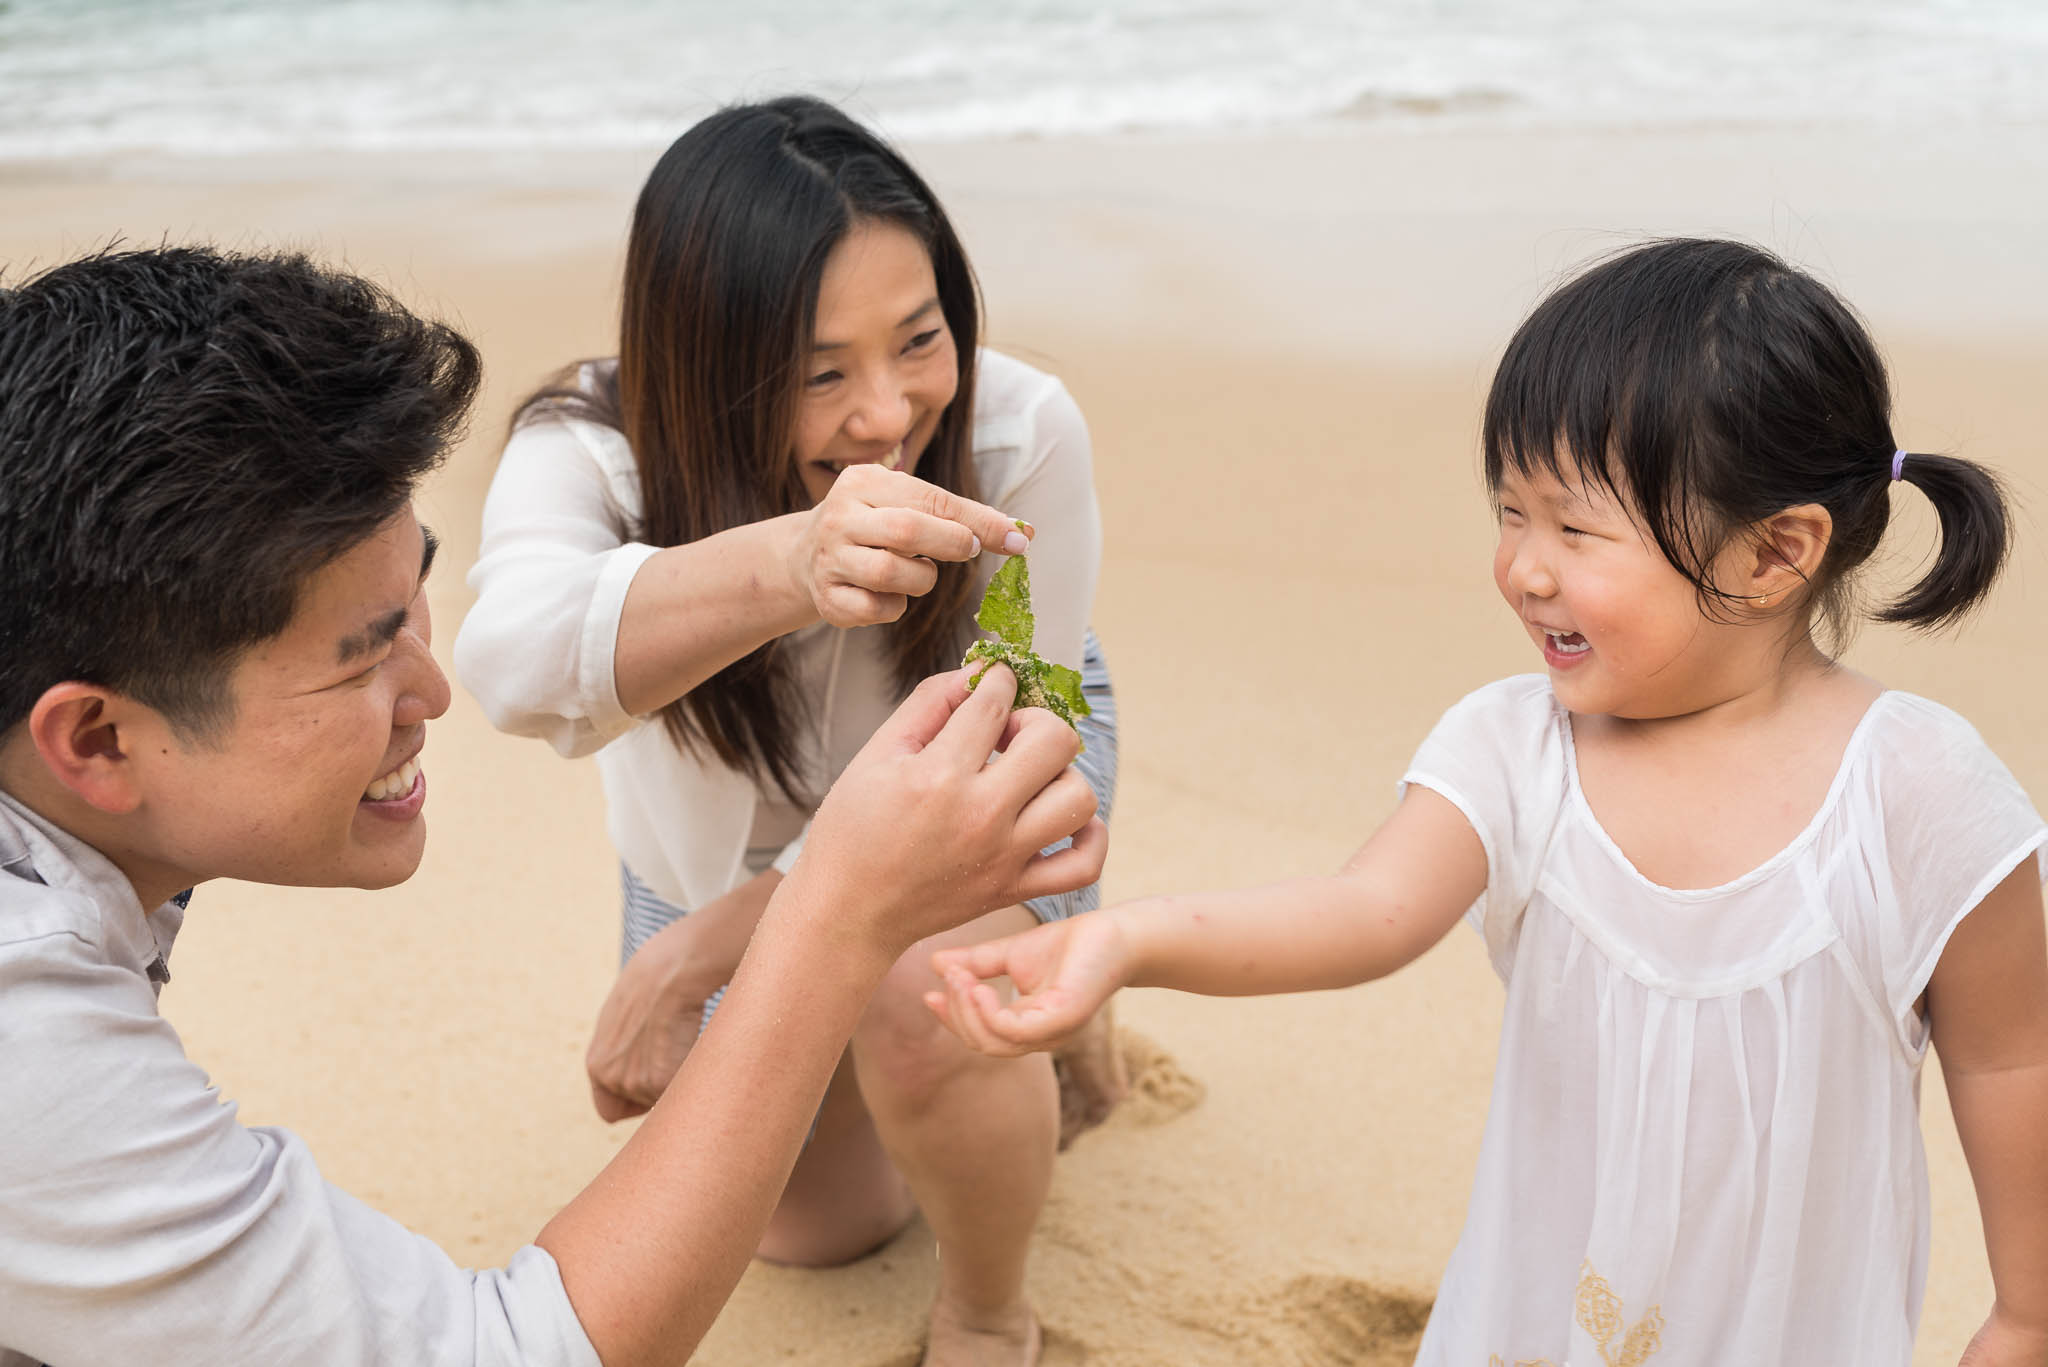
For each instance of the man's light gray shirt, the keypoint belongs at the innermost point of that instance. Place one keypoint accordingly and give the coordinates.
(141, 1223)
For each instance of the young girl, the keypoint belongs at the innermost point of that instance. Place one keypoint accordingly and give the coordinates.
(1733, 888)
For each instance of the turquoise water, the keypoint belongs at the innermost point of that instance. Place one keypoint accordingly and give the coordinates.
(199, 77)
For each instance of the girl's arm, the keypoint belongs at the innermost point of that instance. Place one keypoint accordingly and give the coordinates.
(1395, 898)
(1988, 1008)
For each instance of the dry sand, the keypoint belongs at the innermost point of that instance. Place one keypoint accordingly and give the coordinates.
(1281, 345)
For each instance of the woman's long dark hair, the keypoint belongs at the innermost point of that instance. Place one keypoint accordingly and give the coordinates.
(728, 244)
(1709, 385)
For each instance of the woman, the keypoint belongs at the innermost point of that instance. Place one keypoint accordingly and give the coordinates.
(723, 558)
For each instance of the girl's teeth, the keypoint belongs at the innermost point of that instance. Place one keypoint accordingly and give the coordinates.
(894, 458)
(1571, 644)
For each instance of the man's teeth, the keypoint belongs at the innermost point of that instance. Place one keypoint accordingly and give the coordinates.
(397, 783)
(1570, 643)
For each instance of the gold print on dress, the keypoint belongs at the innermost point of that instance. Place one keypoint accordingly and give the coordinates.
(1599, 1314)
(1496, 1360)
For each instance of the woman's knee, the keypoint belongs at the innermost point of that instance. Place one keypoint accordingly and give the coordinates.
(900, 1046)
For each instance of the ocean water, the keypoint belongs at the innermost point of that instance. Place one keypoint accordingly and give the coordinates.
(82, 78)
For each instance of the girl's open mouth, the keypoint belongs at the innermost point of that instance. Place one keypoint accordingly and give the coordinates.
(1564, 649)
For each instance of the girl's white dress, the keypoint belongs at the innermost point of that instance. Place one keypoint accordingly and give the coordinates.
(1703, 1145)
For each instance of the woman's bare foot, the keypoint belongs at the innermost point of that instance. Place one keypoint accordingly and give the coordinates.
(1012, 1339)
(1091, 1074)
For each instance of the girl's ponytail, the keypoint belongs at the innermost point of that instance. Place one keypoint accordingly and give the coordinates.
(1976, 535)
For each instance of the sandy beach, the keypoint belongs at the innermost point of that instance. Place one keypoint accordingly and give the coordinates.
(1281, 344)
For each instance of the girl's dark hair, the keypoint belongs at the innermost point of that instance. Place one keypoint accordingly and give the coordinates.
(188, 435)
(1709, 385)
(723, 263)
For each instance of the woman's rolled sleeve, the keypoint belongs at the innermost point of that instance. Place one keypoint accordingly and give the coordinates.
(557, 559)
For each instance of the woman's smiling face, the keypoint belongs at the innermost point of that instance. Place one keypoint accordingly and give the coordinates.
(882, 366)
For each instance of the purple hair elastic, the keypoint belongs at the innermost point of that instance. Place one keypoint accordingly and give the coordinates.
(1898, 465)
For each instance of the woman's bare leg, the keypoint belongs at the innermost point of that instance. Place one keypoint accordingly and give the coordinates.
(974, 1136)
(844, 1198)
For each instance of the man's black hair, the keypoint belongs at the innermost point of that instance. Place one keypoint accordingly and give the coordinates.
(185, 436)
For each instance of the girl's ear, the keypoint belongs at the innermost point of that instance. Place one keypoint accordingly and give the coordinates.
(1788, 549)
(77, 731)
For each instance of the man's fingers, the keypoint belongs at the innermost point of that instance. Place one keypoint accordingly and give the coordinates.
(971, 733)
(920, 718)
(1041, 747)
(1061, 808)
(1077, 866)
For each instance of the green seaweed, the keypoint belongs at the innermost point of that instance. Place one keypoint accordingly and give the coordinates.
(1006, 613)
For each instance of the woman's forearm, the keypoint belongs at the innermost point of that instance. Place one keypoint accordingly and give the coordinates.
(694, 609)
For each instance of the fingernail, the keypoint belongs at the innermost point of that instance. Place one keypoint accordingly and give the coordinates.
(1015, 543)
(1025, 527)
(977, 548)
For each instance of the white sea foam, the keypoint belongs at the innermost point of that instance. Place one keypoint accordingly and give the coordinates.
(198, 77)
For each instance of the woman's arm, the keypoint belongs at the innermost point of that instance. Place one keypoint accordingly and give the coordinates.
(578, 629)
(1988, 1008)
(854, 560)
(1396, 897)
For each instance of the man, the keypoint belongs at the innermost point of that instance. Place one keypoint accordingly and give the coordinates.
(214, 663)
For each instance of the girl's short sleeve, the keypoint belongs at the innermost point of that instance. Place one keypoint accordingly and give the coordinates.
(1956, 823)
(1498, 756)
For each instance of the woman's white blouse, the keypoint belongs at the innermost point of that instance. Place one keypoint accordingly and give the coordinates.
(1703, 1145)
(560, 548)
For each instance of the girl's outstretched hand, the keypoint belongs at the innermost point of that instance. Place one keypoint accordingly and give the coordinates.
(869, 546)
(1063, 971)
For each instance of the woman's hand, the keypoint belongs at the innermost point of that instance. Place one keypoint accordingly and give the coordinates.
(651, 1017)
(2001, 1343)
(1063, 971)
(869, 546)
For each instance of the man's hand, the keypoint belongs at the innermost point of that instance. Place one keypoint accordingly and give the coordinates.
(943, 814)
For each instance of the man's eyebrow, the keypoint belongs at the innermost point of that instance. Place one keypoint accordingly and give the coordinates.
(372, 638)
(385, 629)
(920, 311)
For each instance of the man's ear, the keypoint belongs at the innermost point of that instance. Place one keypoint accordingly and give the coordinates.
(78, 731)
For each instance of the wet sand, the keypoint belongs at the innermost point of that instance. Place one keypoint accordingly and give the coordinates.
(1281, 345)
